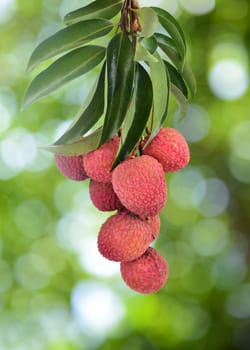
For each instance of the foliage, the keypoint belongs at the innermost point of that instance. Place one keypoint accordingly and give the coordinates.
(55, 291)
(124, 76)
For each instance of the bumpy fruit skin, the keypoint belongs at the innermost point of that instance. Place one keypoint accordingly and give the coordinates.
(140, 185)
(170, 148)
(124, 237)
(97, 163)
(155, 224)
(147, 274)
(71, 167)
(103, 196)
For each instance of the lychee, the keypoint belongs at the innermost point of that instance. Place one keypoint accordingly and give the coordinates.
(140, 185)
(98, 163)
(154, 223)
(103, 196)
(170, 148)
(146, 274)
(71, 166)
(124, 237)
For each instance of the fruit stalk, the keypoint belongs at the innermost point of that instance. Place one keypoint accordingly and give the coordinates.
(130, 23)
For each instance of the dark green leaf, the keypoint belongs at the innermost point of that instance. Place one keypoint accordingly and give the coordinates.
(148, 20)
(82, 145)
(161, 85)
(120, 73)
(97, 9)
(189, 78)
(66, 68)
(170, 24)
(68, 39)
(143, 104)
(88, 116)
(168, 46)
(176, 78)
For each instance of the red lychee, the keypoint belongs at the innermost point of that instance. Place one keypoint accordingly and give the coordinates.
(124, 237)
(170, 148)
(147, 274)
(103, 196)
(140, 185)
(97, 163)
(71, 166)
(154, 223)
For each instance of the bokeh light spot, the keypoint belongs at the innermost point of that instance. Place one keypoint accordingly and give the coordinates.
(209, 237)
(96, 308)
(228, 79)
(238, 302)
(229, 269)
(240, 140)
(239, 168)
(198, 7)
(183, 187)
(32, 218)
(31, 271)
(215, 197)
(195, 126)
(93, 262)
(5, 276)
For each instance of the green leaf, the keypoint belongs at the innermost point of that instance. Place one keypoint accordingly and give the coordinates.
(143, 104)
(66, 68)
(189, 78)
(142, 54)
(176, 78)
(161, 86)
(82, 145)
(148, 20)
(97, 9)
(120, 73)
(88, 116)
(68, 39)
(150, 44)
(168, 46)
(181, 100)
(170, 24)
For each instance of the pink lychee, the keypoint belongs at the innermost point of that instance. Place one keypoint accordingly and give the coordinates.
(146, 274)
(170, 148)
(140, 185)
(103, 196)
(154, 223)
(124, 237)
(97, 163)
(71, 166)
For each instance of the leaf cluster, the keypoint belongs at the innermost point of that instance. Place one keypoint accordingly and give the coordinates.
(131, 95)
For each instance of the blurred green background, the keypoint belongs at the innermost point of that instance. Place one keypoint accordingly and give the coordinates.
(56, 291)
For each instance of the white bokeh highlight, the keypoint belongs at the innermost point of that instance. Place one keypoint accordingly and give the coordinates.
(228, 79)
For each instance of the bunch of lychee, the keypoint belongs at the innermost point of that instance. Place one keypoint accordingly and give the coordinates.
(137, 190)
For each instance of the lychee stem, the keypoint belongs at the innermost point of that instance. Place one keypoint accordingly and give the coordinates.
(130, 23)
